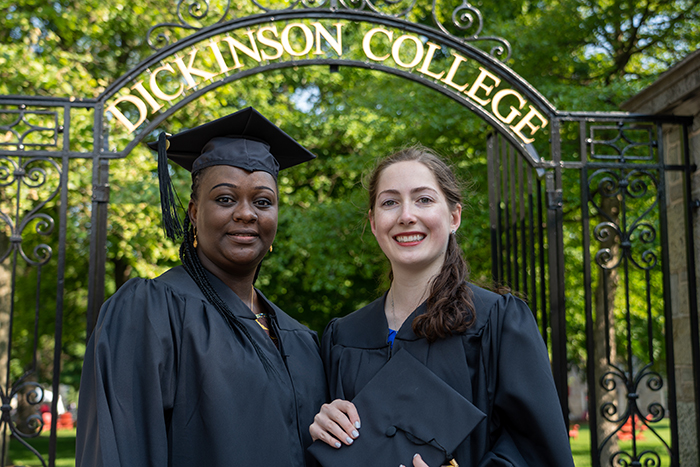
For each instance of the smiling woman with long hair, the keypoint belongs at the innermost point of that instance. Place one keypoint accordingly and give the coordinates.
(436, 366)
(197, 367)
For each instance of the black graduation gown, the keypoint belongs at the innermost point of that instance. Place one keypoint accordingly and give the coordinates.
(166, 382)
(500, 365)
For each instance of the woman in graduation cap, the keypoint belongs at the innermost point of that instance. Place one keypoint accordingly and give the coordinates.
(197, 367)
(436, 366)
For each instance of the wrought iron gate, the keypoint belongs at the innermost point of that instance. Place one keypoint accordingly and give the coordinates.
(616, 227)
(588, 222)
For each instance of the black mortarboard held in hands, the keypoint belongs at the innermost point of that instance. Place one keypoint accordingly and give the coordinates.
(244, 139)
(405, 409)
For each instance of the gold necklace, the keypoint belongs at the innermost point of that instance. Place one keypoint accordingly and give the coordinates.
(393, 309)
(258, 316)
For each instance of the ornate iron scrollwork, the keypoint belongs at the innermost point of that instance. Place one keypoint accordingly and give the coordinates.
(33, 395)
(195, 14)
(632, 416)
(467, 17)
(190, 14)
(32, 180)
(626, 200)
(28, 174)
(633, 184)
(624, 146)
(21, 128)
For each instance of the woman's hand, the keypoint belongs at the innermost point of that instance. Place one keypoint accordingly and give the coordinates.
(336, 422)
(418, 462)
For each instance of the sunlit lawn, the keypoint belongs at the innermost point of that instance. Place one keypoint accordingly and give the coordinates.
(580, 446)
(65, 450)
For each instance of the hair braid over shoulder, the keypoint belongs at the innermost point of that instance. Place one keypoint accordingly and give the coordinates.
(450, 306)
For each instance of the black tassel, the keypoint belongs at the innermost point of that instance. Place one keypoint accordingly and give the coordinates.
(171, 221)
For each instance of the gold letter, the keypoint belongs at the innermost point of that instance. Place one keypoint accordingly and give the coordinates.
(143, 111)
(396, 49)
(269, 42)
(214, 46)
(337, 44)
(453, 71)
(308, 35)
(233, 44)
(155, 89)
(188, 71)
(479, 84)
(146, 95)
(366, 43)
(429, 58)
(513, 112)
(526, 121)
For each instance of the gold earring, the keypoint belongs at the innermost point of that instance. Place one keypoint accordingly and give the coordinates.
(270, 248)
(194, 242)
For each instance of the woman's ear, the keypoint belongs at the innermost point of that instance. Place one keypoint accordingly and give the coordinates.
(371, 221)
(192, 212)
(456, 217)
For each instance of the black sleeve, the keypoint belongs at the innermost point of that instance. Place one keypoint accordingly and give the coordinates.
(329, 365)
(127, 381)
(529, 427)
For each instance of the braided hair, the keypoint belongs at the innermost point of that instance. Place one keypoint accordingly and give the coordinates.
(193, 266)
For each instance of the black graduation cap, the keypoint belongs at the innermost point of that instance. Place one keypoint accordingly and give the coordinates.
(405, 409)
(243, 139)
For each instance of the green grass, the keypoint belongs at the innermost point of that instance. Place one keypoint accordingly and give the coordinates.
(581, 446)
(65, 450)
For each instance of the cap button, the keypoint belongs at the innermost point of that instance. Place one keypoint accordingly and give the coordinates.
(391, 431)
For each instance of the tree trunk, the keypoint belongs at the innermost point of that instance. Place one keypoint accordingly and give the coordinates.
(604, 338)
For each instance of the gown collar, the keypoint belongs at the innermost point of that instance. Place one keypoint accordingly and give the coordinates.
(239, 308)
(371, 320)
(405, 332)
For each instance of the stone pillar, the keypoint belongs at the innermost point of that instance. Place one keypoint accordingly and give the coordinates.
(691, 449)
(676, 209)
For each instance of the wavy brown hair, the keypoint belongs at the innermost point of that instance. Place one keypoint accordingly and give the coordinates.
(450, 308)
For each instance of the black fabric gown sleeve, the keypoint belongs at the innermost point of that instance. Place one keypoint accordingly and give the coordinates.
(335, 389)
(127, 382)
(527, 427)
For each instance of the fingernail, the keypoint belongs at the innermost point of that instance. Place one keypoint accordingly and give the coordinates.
(357, 425)
(355, 434)
(402, 465)
(337, 444)
(415, 455)
(348, 440)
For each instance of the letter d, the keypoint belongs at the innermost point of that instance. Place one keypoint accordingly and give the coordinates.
(143, 111)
